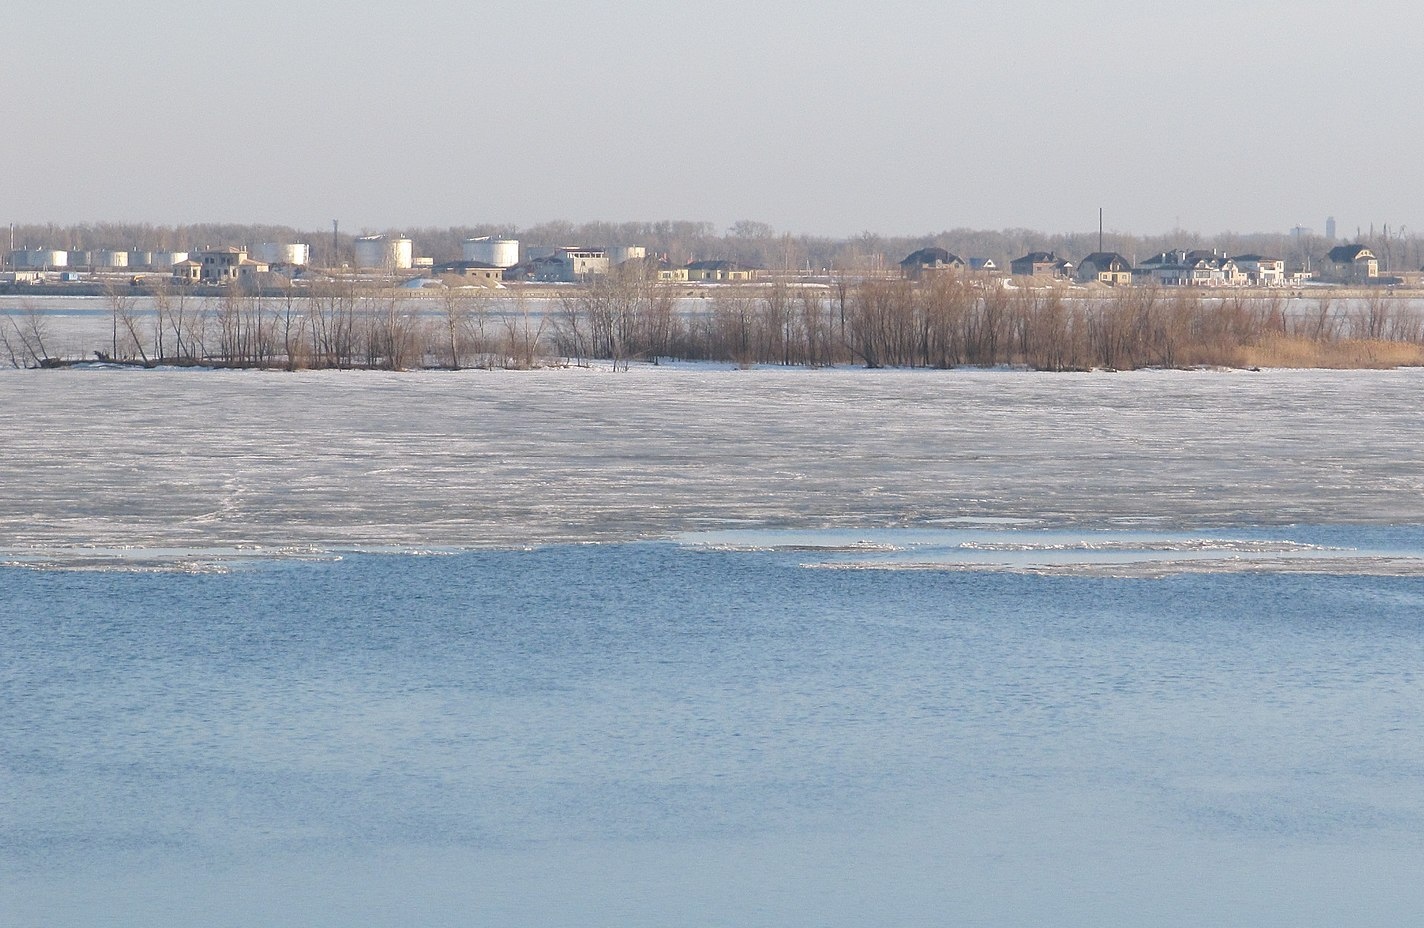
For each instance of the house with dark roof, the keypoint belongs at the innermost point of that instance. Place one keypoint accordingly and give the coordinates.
(1164, 269)
(1352, 264)
(1041, 264)
(1213, 268)
(930, 261)
(1105, 267)
(1199, 268)
(668, 271)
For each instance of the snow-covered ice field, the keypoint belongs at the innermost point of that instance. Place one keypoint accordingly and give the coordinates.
(158, 462)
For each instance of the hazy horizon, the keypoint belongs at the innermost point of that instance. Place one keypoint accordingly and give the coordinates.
(718, 229)
(818, 119)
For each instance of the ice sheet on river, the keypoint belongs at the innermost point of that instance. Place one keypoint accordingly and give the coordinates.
(138, 462)
(1101, 553)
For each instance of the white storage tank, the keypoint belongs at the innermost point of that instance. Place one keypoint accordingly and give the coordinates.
(38, 258)
(296, 253)
(110, 259)
(378, 251)
(499, 252)
(165, 260)
(140, 259)
(402, 253)
(621, 253)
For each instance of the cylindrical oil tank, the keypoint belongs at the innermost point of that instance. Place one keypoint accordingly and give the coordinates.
(39, 258)
(295, 253)
(402, 253)
(166, 259)
(378, 251)
(620, 253)
(500, 252)
(79, 259)
(110, 259)
(140, 259)
(370, 251)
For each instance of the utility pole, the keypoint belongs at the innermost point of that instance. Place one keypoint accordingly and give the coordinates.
(1100, 230)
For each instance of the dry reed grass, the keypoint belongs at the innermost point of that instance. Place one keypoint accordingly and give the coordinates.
(1349, 354)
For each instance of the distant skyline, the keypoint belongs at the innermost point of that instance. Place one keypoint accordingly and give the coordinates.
(824, 118)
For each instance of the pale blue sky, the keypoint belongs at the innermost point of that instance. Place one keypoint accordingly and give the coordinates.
(827, 117)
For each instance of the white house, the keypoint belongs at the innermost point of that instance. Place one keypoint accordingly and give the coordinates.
(1262, 271)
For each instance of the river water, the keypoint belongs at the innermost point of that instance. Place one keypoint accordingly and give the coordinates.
(768, 699)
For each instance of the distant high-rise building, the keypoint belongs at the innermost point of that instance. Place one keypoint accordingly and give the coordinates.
(1330, 229)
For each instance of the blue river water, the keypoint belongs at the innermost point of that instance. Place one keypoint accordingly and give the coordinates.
(660, 734)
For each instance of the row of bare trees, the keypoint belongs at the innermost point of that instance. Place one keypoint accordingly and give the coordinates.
(949, 322)
(627, 316)
(327, 326)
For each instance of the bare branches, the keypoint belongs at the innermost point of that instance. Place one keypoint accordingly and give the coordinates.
(943, 322)
(23, 338)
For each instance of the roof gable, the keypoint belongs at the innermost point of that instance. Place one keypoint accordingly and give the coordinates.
(932, 257)
(1105, 261)
(1344, 254)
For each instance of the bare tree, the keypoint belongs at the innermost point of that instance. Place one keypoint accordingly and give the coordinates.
(24, 338)
(292, 323)
(128, 339)
(331, 311)
(523, 334)
(458, 312)
(176, 322)
(160, 292)
(570, 329)
(660, 319)
(394, 332)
